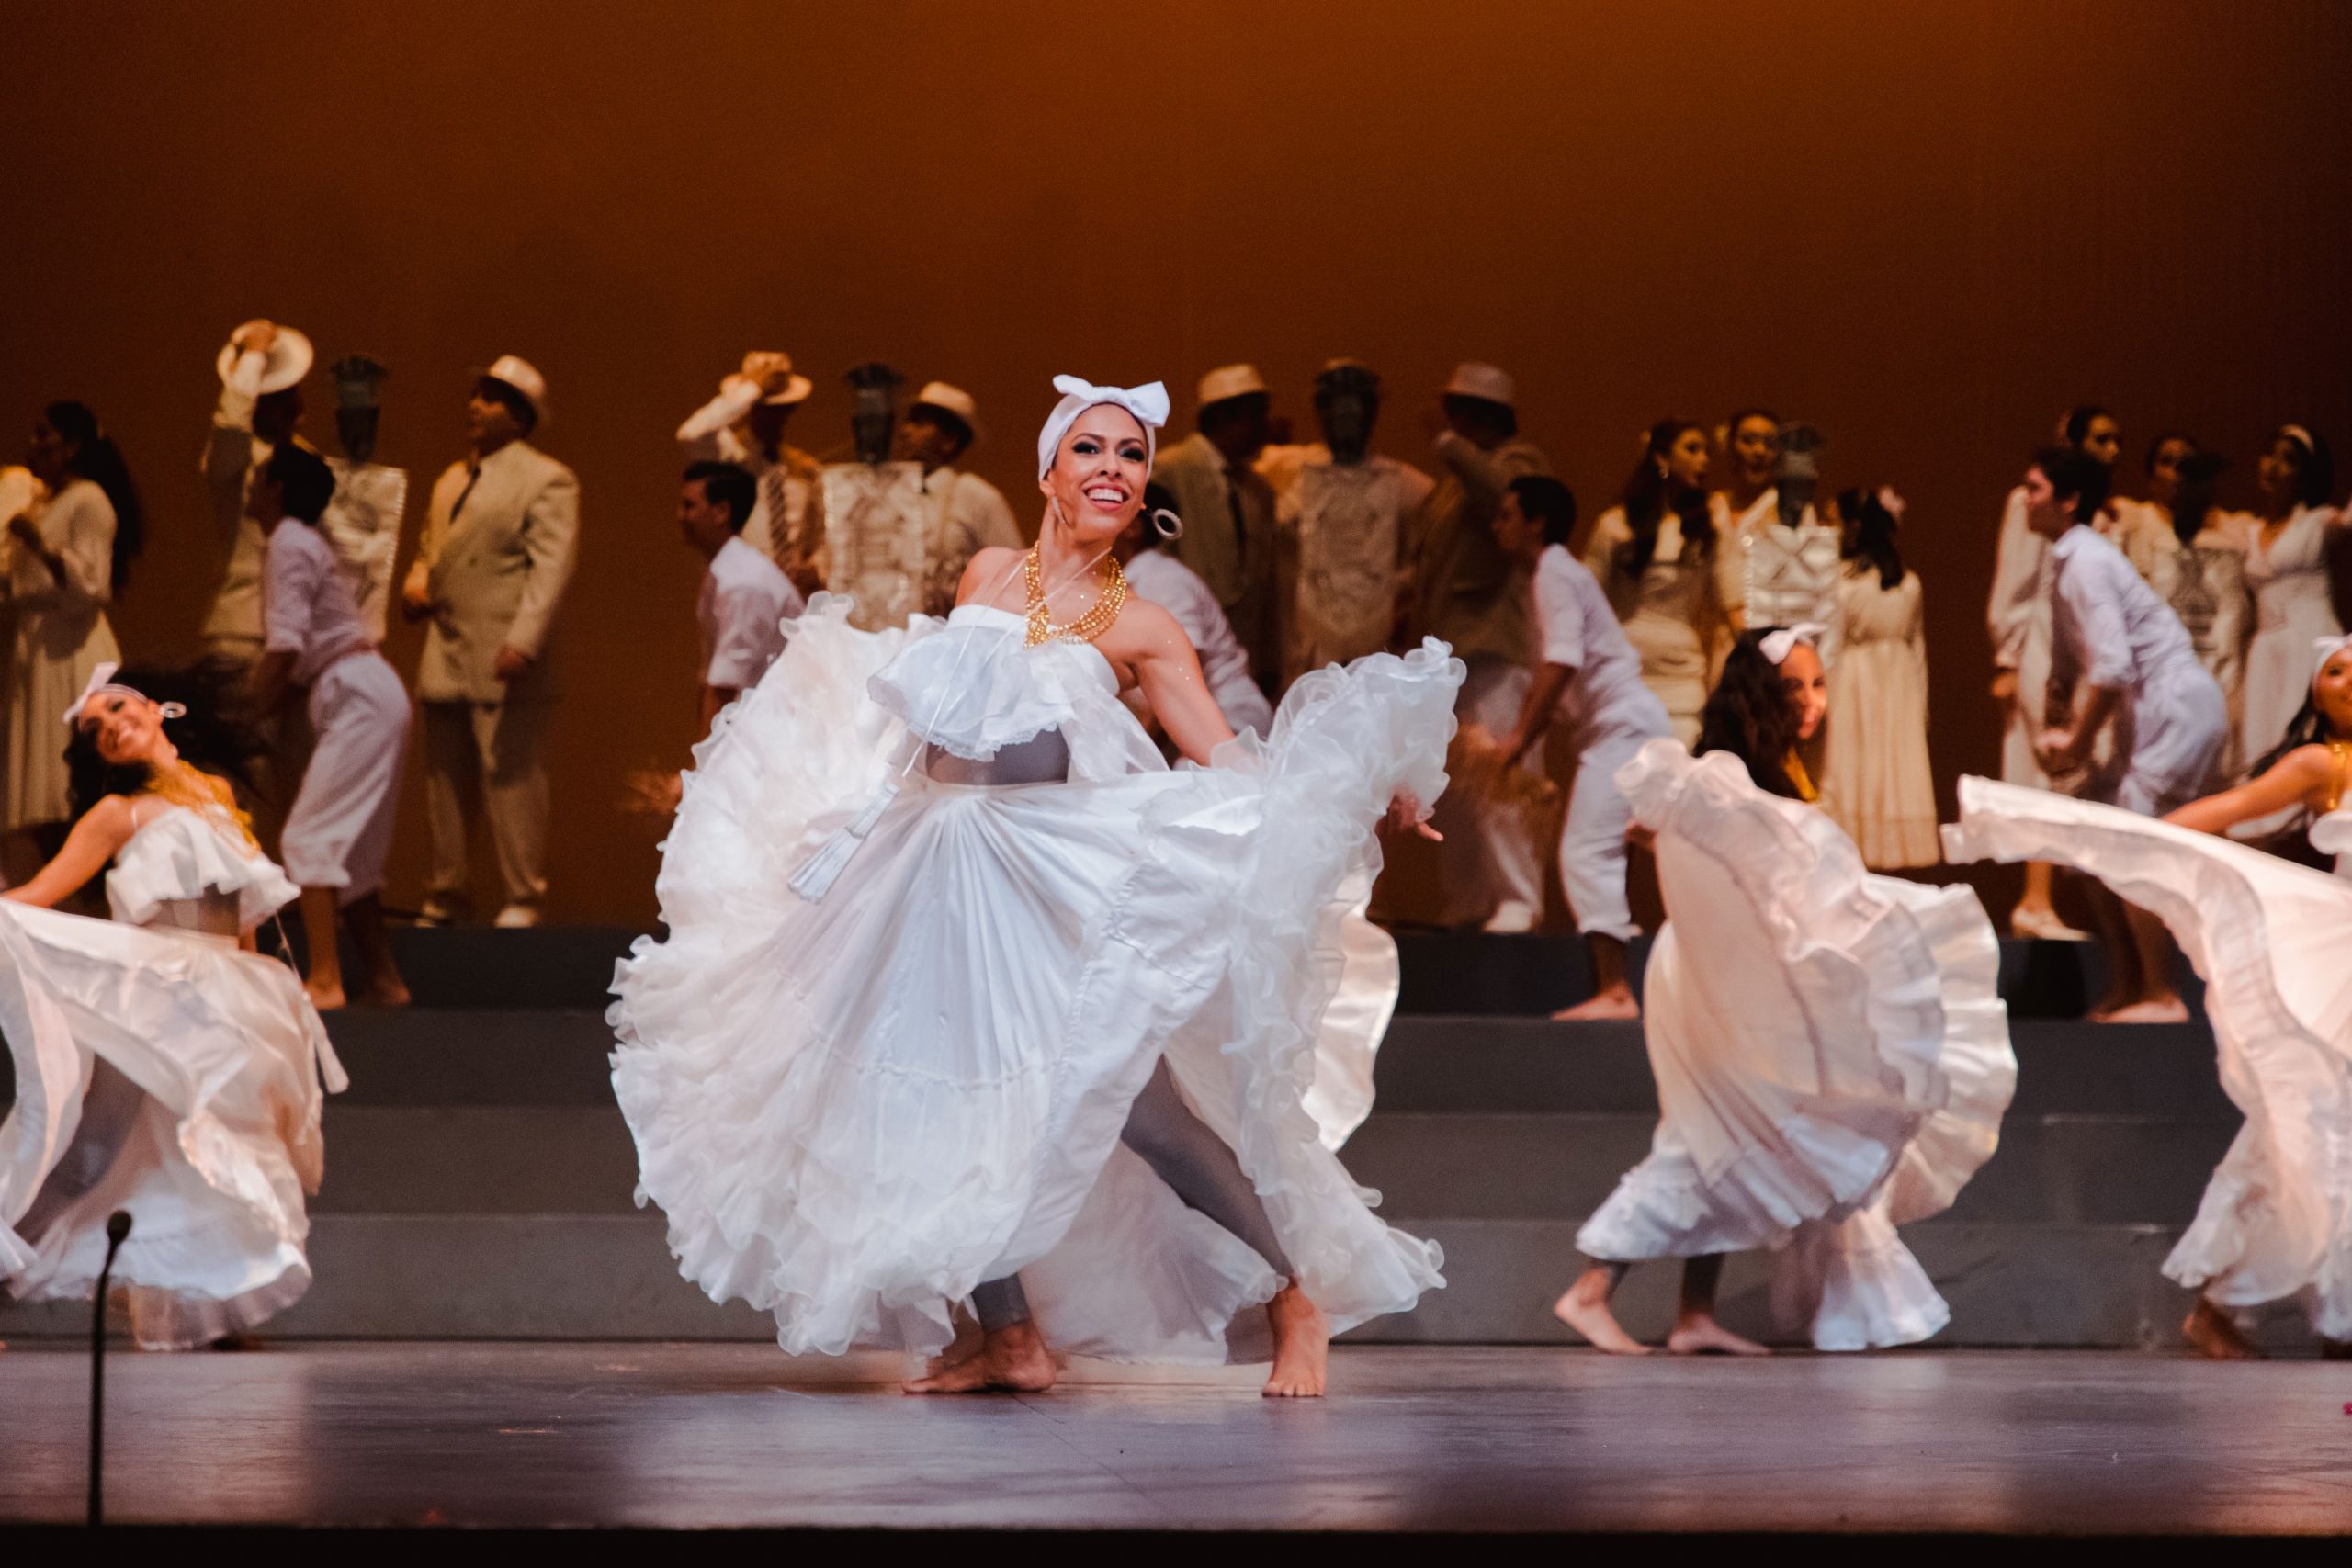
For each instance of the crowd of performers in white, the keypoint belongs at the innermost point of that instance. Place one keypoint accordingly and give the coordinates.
(1017, 994)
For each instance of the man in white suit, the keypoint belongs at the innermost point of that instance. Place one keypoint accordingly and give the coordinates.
(501, 538)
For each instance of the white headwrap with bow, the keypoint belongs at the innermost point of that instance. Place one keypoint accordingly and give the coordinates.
(2325, 649)
(1781, 641)
(101, 682)
(1147, 402)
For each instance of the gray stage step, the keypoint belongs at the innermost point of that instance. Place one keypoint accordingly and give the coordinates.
(479, 1183)
(1444, 972)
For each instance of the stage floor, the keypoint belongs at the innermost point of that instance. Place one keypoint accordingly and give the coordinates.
(1461, 1438)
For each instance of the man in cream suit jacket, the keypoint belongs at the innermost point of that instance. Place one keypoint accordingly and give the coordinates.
(500, 537)
(1228, 511)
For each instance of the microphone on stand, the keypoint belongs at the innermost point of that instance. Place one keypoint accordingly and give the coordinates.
(118, 1228)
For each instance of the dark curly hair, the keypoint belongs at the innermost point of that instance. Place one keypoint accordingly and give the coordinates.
(216, 734)
(1749, 714)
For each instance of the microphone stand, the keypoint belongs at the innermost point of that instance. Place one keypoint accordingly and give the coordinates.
(117, 1228)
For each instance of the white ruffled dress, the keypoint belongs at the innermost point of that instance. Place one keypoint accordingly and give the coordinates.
(228, 1058)
(2272, 938)
(854, 1110)
(1831, 1053)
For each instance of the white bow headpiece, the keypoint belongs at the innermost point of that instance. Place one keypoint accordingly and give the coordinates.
(1147, 402)
(2325, 649)
(1781, 641)
(101, 682)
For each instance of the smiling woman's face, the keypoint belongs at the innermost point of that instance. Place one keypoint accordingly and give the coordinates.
(125, 726)
(1097, 479)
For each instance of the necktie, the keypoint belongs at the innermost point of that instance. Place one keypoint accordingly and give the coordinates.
(771, 495)
(1240, 521)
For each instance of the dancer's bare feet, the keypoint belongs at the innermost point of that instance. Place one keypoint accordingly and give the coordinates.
(1302, 1345)
(1584, 1306)
(325, 998)
(1615, 1002)
(387, 994)
(2213, 1334)
(1012, 1360)
(1697, 1335)
(2163, 1009)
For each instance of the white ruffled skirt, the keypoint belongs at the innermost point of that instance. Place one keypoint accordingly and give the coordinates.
(2271, 939)
(855, 1110)
(1831, 1054)
(225, 1056)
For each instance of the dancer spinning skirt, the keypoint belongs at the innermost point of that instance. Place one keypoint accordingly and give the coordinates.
(1831, 1054)
(2270, 938)
(162, 1068)
(970, 1000)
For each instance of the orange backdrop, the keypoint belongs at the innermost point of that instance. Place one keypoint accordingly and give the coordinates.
(1925, 227)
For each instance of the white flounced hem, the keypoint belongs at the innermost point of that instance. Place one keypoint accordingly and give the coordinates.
(1831, 1053)
(2271, 939)
(854, 1110)
(228, 1055)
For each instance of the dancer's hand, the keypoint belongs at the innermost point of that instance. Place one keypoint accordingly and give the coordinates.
(2005, 687)
(653, 792)
(2058, 751)
(1406, 815)
(511, 663)
(1641, 838)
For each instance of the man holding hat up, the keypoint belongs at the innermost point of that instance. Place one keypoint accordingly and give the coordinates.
(501, 534)
(968, 513)
(1228, 511)
(1471, 593)
(745, 424)
(261, 369)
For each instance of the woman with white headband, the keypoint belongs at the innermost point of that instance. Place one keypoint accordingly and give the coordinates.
(1831, 1054)
(2289, 542)
(2269, 936)
(163, 1068)
(975, 1015)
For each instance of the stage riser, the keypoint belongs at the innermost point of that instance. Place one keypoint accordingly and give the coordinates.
(1459, 972)
(581, 1277)
(533, 1160)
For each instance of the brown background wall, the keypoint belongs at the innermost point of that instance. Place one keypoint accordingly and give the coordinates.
(1926, 226)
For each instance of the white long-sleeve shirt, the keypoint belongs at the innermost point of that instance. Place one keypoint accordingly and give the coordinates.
(745, 600)
(1577, 629)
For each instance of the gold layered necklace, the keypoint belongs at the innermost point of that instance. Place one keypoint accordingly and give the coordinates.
(1088, 626)
(184, 783)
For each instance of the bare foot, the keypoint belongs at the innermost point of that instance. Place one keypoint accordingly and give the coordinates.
(1615, 1002)
(1705, 1336)
(1584, 1306)
(325, 998)
(387, 993)
(2168, 1009)
(2213, 1334)
(1302, 1345)
(1013, 1360)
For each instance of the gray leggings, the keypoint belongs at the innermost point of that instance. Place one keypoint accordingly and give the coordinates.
(109, 1111)
(1198, 1166)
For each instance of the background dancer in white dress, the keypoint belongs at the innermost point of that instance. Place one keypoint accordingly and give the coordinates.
(1176, 588)
(169, 1072)
(1875, 775)
(2289, 544)
(1655, 553)
(1590, 675)
(340, 828)
(2121, 664)
(968, 997)
(1831, 1054)
(2269, 937)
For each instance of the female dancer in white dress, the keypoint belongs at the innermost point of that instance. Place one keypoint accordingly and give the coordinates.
(167, 1071)
(1875, 777)
(970, 998)
(1655, 552)
(2288, 546)
(66, 558)
(1831, 1054)
(2269, 937)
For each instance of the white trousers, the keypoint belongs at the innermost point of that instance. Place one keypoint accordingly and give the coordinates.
(1592, 839)
(1489, 854)
(341, 826)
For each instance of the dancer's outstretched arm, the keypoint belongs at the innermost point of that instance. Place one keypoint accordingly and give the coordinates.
(104, 830)
(2299, 778)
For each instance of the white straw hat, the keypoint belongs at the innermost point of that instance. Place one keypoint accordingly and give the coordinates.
(1231, 381)
(951, 401)
(1472, 380)
(524, 376)
(283, 363)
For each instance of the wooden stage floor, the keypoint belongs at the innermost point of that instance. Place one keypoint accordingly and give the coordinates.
(679, 1436)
